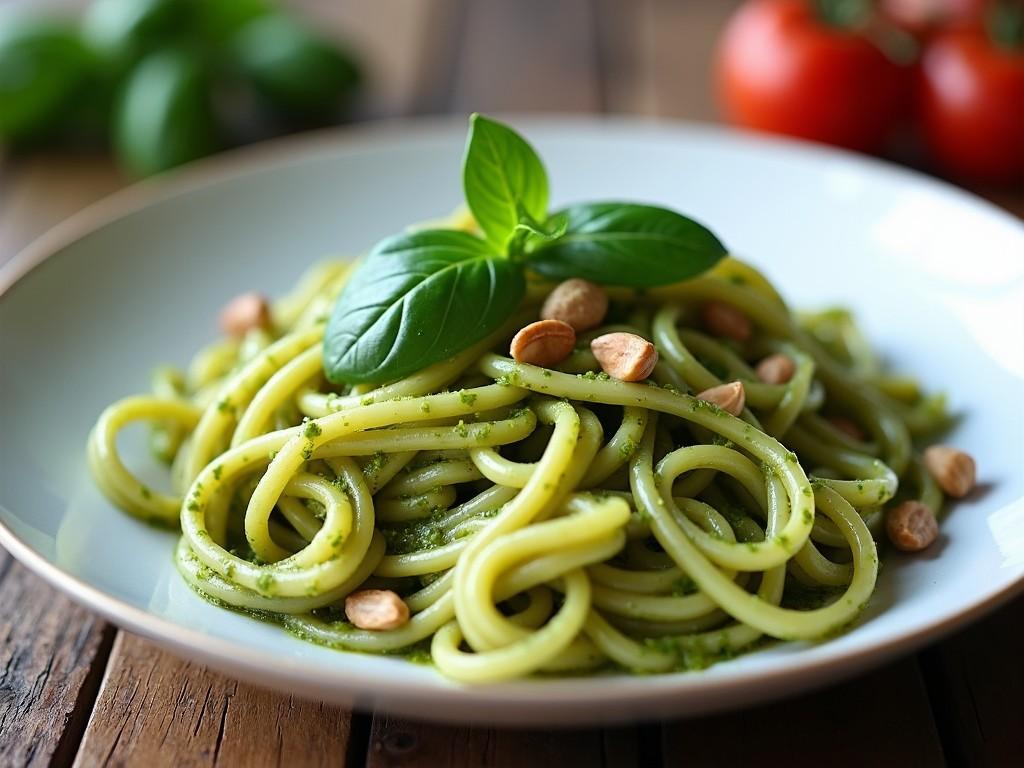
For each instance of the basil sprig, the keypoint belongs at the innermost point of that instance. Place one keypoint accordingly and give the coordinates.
(421, 297)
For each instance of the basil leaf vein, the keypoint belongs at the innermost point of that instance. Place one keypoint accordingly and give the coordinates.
(417, 299)
(627, 244)
(501, 177)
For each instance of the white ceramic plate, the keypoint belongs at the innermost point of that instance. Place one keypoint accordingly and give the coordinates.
(936, 275)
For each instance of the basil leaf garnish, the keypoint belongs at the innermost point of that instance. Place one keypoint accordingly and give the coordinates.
(421, 297)
(417, 299)
(502, 176)
(627, 244)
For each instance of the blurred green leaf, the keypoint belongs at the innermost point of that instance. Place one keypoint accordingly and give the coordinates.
(164, 117)
(123, 31)
(292, 69)
(220, 19)
(42, 66)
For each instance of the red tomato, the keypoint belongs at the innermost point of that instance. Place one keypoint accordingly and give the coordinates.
(782, 69)
(972, 106)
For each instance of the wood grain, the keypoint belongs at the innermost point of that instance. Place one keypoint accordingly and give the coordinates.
(658, 56)
(400, 743)
(882, 718)
(976, 680)
(39, 191)
(156, 710)
(51, 658)
(528, 55)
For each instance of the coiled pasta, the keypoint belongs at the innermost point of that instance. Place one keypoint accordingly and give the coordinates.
(536, 520)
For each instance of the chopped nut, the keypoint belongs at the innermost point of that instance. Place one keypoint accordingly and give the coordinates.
(545, 343)
(729, 397)
(578, 302)
(625, 356)
(723, 319)
(848, 427)
(911, 526)
(952, 469)
(376, 609)
(776, 369)
(243, 313)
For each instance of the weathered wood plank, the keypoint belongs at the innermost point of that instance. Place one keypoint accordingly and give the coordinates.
(975, 680)
(882, 717)
(156, 710)
(530, 55)
(41, 190)
(658, 55)
(400, 743)
(51, 659)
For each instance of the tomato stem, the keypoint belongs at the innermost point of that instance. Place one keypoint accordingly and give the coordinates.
(1006, 25)
(844, 14)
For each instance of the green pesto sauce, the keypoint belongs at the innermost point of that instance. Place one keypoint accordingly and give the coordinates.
(627, 449)
(375, 464)
(799, 597)
(265, 583)
(690, 656)
(414, 536)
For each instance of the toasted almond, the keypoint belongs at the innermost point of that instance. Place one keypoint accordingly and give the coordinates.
(725, 320)
(911, 526)
(729, 397)
(545, 343)
(376, 609)
(243, 313)
(776, 369)
(578, 302)
(848, 427)
(952, 469)
(625, 356)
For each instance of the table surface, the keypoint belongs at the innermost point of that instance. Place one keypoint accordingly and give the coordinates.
(74, 689)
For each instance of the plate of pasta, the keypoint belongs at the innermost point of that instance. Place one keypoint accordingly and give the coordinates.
(493, 425)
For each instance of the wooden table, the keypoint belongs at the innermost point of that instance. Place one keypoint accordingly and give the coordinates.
(74, 689)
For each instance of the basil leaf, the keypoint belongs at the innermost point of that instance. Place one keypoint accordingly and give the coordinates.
(501, 176)
(417, 299)
(627, 244)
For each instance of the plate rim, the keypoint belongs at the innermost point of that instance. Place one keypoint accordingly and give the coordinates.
(305, 678)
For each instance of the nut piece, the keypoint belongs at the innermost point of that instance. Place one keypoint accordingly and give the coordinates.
(242, 313)
(578, 302)
(848, 427)
(545, 343)
(952, 469)
(729, 397)
(376, 609)
(625, 356)
(911, 526)
(776, 369)
(723, 319)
